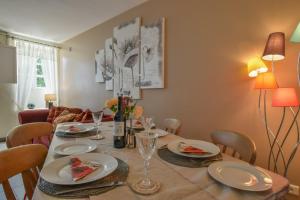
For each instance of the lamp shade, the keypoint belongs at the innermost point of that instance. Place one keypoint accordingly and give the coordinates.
(296, 35)
(266, 81)
(275, 47)
(285, 97)
(50, 97)
(256, 66)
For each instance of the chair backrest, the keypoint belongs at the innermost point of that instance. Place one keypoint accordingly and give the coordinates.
(25, 133)
(241, 145)
(27, 160)
(172, 125)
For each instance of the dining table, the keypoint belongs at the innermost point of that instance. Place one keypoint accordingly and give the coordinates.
(177, 182)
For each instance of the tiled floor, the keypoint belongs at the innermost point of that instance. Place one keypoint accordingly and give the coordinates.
(15, 183)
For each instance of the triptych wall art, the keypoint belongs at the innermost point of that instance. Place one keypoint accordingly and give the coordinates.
(133, 59)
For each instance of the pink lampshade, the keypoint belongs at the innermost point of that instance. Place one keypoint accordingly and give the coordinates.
(285, 97)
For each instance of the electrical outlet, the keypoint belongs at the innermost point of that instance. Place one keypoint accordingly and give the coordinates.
(294, 189)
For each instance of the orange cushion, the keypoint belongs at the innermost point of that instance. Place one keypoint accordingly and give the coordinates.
(65, 116)
(56, 111)
(79, 117)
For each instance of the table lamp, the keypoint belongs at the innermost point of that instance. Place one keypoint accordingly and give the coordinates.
(296, 39)
(50, 98)
(256, 66)
(285, 97)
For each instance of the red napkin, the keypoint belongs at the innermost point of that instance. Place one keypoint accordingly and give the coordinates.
(74, 129)
(192, 150)
(79, 169)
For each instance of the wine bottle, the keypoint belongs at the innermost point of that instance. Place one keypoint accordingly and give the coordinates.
(119, 129)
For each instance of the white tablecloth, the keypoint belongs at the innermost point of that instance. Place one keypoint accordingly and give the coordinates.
(176, 182)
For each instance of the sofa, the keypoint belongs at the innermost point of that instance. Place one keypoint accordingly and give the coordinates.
(41, 115)
(44, 115)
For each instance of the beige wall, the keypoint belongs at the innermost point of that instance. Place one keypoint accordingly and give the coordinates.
(208, 43)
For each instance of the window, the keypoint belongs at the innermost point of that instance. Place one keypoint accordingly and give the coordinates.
(40, 79)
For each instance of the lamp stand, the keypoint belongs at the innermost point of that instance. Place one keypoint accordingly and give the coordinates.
(273, 139)
(269, 132)
(298, 69)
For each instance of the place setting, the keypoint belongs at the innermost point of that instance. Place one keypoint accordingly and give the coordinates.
(82, 175)
(75, 130)
(190, 153)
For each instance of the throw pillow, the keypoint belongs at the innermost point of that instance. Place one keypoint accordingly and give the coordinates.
(65, 116)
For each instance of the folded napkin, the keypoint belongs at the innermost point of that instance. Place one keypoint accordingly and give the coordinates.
(80, 169)
(74, 129)
(184, 148)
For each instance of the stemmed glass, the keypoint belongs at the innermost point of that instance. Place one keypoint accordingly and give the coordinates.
(146, 142)
(147, 123)
(97, 117)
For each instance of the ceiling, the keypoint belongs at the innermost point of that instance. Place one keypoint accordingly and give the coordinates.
(58, 20)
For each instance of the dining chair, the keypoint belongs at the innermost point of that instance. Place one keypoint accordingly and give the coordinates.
(30, 159)
(239, 145)
(172, 125)
(29, 133)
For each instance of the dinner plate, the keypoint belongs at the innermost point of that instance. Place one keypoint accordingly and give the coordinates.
(81, 128)
(240, 175)
(206, 146)
(59, 170)
(71, 148)
(160, 132)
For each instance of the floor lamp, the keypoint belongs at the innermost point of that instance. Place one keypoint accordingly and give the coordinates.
(285, 97)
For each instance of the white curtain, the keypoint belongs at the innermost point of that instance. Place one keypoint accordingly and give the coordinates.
(27, 55)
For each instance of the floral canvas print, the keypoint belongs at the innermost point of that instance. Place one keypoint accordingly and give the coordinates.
(152, 55)
(126, 46)
(109, 67)
(99, 66)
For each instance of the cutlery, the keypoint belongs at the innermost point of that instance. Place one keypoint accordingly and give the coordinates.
(97, 186)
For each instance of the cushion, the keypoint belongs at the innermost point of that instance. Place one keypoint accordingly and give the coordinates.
(65, 116)
(79, 117)
(56, 111)
(87, 116)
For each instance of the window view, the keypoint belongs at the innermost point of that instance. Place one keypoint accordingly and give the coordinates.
(40, 80)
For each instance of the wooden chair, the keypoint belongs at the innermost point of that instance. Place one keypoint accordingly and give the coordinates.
(241, 146)
(27, 160)
(172, 125)
(27, 133)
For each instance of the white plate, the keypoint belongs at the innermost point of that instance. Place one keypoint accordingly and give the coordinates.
(160, 132)
(69, 123)
(82, 128)
(71, 148)
(59, 170)
(206, 146)
(240, 175)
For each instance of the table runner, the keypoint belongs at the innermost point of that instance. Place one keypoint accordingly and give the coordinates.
(177, 182)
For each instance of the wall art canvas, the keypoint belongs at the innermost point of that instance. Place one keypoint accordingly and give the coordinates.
(126, 46)
(99, 66)
(152, 55)
(109, 64)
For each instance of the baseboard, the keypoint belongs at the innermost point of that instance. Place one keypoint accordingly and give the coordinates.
(2, 139)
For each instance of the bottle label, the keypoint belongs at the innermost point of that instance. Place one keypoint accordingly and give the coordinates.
(118, 129)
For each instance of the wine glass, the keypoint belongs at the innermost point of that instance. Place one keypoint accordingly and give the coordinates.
(147, 123)
(97, 117)
(146, 142)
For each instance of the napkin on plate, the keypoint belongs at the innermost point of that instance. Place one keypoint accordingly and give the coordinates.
(74, 129)
(184, 148)
(80, 169)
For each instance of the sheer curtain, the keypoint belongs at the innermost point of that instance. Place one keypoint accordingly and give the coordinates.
(27, 56)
